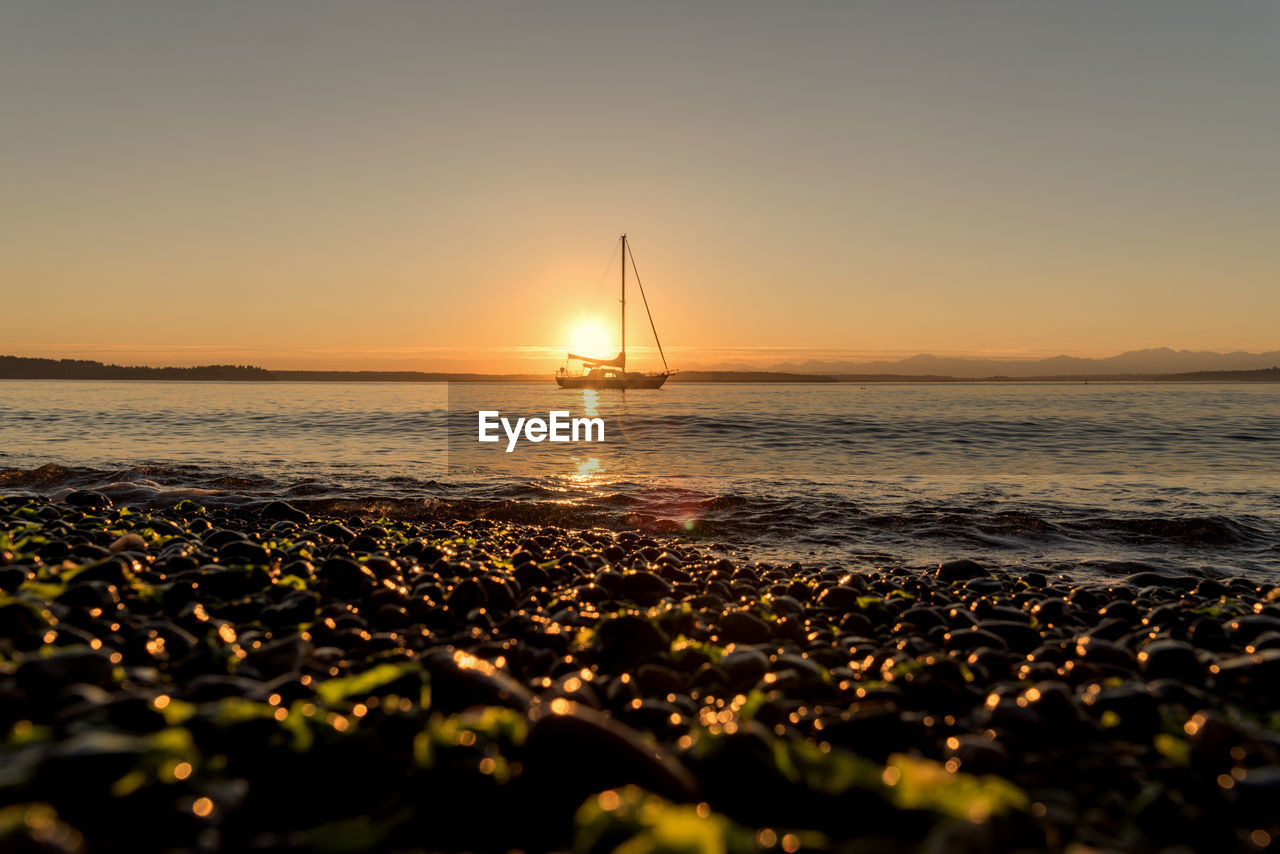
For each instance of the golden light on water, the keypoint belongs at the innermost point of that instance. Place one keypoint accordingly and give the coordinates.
(587, 469)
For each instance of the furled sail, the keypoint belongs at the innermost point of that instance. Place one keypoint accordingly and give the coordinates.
(618, 361)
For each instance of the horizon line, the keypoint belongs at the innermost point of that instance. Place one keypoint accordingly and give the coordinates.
(465, 362)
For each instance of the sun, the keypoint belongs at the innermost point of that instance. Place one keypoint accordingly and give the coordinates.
(590, 338)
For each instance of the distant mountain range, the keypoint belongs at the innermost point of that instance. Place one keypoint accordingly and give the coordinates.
(1160, 360)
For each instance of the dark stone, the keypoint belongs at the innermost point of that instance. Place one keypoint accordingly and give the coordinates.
(1174, 692)
(499, 595)
(203, 689)
(1207, 633)
(654, 680)
(1256, 676)
(529, 575)
(283, 511)
(625, 640)
(744, 667)
(13, 577)
(1008, 714)
(178, 642)
(971, 639)
(1266, 640)
(217, 538)
(226, 582)
(382, 566)
(1171, 659)
(467, 595)
(643, 588)
(606, 754)
(985, 585)
(1104, 654)
(117, 570)
(243, 551)
(1054, 702)
(45, 675)
(922, 617)
(786, 606)
(91, 594)
(279, 657)
(392, 616)
(1017, 635)
(346, 579)
(1211, 588)
(875, 731)
(1245, 629)
(811, 674)
(364, 544)
(1136, 708)
(1258, 793)
(130, 542)
(460, 681)
(335, 531)
(743, 627)
(960, 570)
(522, 557)
(87, 499)
(301, 568)
(978, 754)
(840, 597)
(1111, 629)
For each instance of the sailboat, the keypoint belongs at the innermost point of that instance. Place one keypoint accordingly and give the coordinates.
(613, 373)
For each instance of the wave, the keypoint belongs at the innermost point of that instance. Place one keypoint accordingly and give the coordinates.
(911, 520)
(1196, 530)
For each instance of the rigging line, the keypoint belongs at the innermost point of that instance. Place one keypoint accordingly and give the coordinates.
(599, 284)
(646, 308)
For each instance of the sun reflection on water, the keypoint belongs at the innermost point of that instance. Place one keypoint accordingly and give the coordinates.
(587, 470)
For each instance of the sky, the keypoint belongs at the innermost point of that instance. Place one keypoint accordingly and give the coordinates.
(438, 186)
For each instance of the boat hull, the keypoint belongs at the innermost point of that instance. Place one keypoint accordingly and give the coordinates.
(627, 382)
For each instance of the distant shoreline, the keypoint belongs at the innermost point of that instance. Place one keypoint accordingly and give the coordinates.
(21, 368)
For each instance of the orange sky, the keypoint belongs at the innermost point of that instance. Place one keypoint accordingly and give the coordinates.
(439, 187)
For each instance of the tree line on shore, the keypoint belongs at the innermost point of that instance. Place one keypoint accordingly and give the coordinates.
(23, 368)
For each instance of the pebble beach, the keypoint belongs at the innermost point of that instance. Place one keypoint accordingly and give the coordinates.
(186, 677)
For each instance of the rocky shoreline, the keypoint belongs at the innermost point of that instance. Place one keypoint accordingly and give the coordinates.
(192, 678)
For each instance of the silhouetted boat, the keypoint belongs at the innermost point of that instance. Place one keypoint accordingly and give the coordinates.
(613, 373)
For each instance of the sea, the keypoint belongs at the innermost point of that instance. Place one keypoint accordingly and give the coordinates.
(1083, 479)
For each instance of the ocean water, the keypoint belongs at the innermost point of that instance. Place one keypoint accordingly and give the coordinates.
(1077, 478)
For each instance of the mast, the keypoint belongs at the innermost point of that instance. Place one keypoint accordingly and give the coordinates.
(623, 366)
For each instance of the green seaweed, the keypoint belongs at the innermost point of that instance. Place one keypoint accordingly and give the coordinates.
(48, 591)
(682, 645)
(333, 691)
(633, 821)
(1175, 749)
(925, 784)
